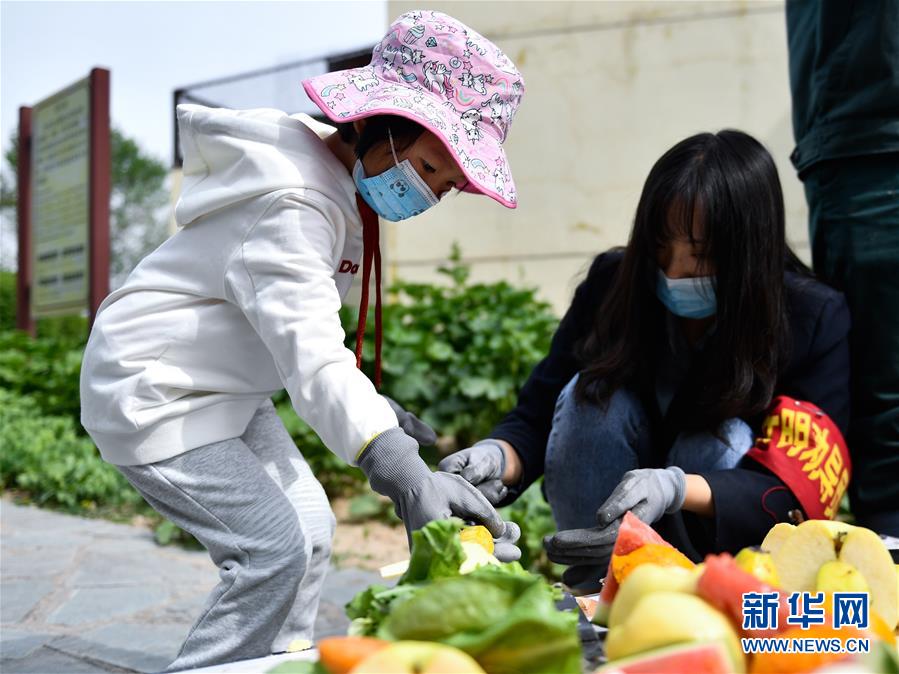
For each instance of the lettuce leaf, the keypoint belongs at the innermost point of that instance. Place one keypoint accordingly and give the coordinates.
(369, 608)
(507, 621)
(436, 552)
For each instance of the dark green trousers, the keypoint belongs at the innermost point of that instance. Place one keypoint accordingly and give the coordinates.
(854, 230)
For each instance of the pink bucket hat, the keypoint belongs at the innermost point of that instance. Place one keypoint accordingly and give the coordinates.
(438, 72)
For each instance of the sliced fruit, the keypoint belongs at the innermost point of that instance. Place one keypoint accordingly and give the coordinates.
(840, 576)
(723, 585)
(646, 580)
(701, 658)
(777, 663)
(759, 563)
(667, 618)
(864, 550)
(340, 654)
(632, 534)
(777, 535)
(394, 570)
(651, 553)
(476, 557)
(477, 534)
(418, 657)
(799, 557)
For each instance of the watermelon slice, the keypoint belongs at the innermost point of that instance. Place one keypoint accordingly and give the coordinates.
(723, 583)
(632, 534)
(695, 658)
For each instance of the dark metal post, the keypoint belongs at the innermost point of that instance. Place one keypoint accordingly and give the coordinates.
(99, 187)
(24, 321)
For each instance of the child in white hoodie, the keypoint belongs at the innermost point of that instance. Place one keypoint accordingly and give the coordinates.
(276, 212)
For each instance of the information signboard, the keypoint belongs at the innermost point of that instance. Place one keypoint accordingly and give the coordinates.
(60, 207)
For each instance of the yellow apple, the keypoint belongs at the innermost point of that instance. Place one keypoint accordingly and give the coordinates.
(666, 618)
(864, 550)
(777, 535)
(840, 576)
(760, 564)
(476, 557)
(798, 557)
(644, 580)
(418, 657)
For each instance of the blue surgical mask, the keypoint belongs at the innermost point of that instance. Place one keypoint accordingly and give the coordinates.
(397, 193)
(688, 297)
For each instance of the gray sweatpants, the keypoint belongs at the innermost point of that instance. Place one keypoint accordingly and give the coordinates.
(256, 506)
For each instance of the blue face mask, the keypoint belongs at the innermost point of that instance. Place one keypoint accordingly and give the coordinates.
(397, 193)
(688, 297)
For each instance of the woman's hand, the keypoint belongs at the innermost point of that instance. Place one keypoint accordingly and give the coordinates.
(489, 465)
(648, 493)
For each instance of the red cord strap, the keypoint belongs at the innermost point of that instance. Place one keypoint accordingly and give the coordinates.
(371, 251)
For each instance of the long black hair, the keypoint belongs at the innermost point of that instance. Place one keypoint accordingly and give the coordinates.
(726, 185)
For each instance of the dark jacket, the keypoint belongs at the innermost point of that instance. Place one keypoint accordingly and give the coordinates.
(844, 77)
(749, 499)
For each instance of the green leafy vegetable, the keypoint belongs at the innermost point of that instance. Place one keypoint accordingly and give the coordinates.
(436, 552)
(369, 608)
(507, 621)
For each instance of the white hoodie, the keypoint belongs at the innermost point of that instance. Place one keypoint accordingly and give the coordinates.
(241, 302)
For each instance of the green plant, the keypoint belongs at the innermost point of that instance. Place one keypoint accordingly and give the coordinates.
(532, 513)
(47, 370)
(7, 300)
(457, 354)
(43, 456)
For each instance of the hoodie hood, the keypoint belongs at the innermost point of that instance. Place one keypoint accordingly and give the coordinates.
(233, 155)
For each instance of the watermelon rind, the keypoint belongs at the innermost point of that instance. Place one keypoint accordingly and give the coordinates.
(676, 659)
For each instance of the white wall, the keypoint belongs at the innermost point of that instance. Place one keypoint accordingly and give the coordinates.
(610, 87)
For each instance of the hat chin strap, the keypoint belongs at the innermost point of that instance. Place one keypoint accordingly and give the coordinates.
(371, 252)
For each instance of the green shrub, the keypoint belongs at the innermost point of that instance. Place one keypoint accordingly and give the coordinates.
(532, 513)
(457, 354)
(7, 300)
(47, 370)
(43, 456)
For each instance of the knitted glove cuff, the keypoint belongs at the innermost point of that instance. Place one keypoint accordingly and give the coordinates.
(679, 483)
(392, 464)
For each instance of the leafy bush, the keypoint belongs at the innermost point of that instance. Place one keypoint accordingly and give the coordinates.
(457, 355)
(7, 300)
(532, 513)
(47, 370)
(43, 456)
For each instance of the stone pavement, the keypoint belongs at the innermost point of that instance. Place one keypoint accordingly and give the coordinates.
(81, 595)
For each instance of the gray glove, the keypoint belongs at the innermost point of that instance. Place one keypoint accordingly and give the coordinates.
(504, 548)
(483, 466)
(395, 469)
(648, 493)
(412, 425)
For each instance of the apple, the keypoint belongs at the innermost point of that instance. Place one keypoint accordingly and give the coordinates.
(864, 550)
(778, 534)
(645, 580)
(476, 557)
(418, 657)
(667, 618)
(759, 563)
(800, 552)
(799, 556)
(839, 576)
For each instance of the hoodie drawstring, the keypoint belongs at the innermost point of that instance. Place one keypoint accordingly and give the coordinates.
(371, 251)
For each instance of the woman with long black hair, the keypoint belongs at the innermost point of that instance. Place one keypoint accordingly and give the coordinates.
(676, 354)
